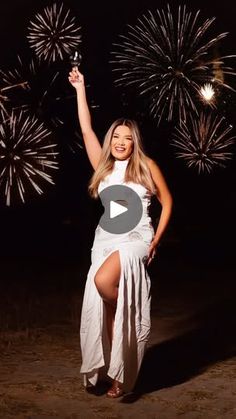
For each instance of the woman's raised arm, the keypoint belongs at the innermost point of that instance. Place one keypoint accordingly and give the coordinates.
(91, 141)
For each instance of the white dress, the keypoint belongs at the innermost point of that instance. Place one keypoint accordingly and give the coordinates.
(132, 318)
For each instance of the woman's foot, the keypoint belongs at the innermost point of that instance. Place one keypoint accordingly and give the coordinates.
(99, 389)
(90, 388)
(115, 391)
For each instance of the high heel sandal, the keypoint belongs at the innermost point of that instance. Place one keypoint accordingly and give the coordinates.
(115, 392)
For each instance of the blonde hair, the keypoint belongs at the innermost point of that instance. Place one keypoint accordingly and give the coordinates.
(137, 169)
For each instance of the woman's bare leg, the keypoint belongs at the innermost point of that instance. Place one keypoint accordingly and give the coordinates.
(107, 282)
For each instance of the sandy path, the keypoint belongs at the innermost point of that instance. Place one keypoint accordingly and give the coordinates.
(189, 370)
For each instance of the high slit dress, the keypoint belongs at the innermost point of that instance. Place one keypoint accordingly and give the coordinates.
(131, 330)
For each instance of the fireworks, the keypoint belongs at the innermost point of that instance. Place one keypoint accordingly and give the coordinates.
(14, 83)
(28, 87)
(207, 94)
(3, 100)
(54, 34)
(17, 77)
(204, 142)
(168, 60)
(27, 156)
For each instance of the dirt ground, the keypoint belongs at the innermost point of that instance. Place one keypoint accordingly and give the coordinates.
(189, 370)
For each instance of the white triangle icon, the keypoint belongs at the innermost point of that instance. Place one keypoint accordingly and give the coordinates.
(116, 209)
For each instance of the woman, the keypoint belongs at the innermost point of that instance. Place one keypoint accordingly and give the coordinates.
(115, 318)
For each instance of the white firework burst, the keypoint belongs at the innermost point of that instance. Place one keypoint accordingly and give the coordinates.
(204, 142)
(168, 59)
(27, 156)
(26, 86)
(54, 33)
(207, 94)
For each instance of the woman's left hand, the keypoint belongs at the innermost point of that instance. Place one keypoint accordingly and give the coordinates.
(151, 251)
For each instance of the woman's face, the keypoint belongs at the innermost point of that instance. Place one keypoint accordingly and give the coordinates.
(122, 143)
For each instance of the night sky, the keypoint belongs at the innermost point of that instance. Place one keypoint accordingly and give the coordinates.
(60, 223)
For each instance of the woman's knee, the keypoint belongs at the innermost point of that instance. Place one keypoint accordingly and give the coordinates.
(107, 290)
(99, 280)
(107, 277)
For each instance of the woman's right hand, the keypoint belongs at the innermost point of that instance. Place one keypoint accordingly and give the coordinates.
(76, 78)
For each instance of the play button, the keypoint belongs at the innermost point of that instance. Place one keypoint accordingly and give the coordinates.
(116, 209)
(122, 209)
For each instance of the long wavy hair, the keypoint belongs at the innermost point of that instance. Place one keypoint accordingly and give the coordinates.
(137, 170)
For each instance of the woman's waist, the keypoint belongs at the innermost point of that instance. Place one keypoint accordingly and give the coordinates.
(144, 222)
(143, 231)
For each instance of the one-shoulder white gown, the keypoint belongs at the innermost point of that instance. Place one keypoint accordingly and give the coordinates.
(132, 318)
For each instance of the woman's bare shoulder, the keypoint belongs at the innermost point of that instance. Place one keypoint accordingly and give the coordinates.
(150, 162)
